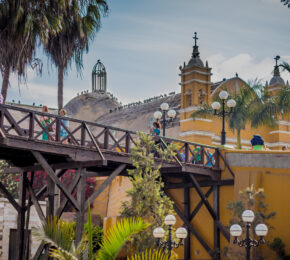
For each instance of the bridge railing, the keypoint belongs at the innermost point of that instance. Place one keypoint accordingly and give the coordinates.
(35, 125)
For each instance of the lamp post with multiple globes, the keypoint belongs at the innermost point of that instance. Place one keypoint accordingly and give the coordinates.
(236, 231)
(223, 95)
(169, 244)
(158, 115)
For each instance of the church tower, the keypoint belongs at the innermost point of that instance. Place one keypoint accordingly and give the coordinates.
(195, 81)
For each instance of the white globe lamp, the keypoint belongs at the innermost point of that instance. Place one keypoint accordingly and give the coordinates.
(216, 105)
(181, 233)
(158, 232)
(157, 115)
(236, 230)
(164, 106)
(170, 220)
(261, 230)
(223, 95)
(171, 113)
(248, 216)
(231, 103)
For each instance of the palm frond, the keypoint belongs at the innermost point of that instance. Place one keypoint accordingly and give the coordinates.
(150, 254)
(285, 66)
(116, 237)
(58, 234)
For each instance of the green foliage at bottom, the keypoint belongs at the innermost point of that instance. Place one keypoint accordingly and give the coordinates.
(150, 255)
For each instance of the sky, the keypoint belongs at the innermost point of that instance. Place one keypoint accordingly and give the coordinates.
(142, 43)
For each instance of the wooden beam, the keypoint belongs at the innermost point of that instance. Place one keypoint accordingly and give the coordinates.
(94, 141)
(10, 198)
(191, 228)
(21, 216)
(206, 183)
(226, 164)
(71, 189)
(186, 215)
(39, 251)
(35, 203)
(216, 230)
(66, 165)
(199, 205)
(52, 175)
(13, 123)
(203, 197)
(50, 197)
(105, 184)
(81, 196)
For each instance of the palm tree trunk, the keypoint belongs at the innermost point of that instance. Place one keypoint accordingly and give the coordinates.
(5, 83)
(239, 143)
(60, 88)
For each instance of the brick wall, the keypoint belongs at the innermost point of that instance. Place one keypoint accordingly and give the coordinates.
(8, 220)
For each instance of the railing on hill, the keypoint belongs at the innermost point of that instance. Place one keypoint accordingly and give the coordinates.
(29, 124)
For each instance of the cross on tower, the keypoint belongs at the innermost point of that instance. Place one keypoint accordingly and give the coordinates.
(195, 38)
(276, 59)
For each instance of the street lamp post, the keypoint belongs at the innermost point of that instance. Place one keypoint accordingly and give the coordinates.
(236, 230)
(158, 115)
(223, 95)
(159, 233)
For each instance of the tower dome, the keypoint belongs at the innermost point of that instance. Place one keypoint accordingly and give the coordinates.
(99, 78)
(195, 59)
(277, 79)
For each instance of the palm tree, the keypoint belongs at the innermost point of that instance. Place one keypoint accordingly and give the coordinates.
(80, 22)
(254, 104)
(286, 2)
(285, 65)
(23, 24)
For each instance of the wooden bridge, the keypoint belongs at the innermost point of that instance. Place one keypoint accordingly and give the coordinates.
(98, 150)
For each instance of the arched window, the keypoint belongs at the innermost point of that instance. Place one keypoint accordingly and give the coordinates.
(188, 98)
(99, 78)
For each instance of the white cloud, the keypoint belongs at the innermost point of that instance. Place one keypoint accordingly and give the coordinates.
(245, 65)
(35, 92)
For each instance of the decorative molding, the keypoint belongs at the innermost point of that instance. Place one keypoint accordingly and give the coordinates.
(198, 119)
(188, 109)
(232, 140)
(277, 144)
(195, 80)
(283, 122)
(197, 71)
(280, 131)
(193, 132)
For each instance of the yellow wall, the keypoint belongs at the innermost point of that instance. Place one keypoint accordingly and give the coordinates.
(275, 180)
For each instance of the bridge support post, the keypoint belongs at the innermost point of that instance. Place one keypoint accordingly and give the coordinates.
(81, 198)
(216, 235)
(187, 216)
(21, 216)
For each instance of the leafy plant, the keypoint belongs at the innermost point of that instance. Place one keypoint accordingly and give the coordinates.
(147, 199)
(97, 236)
(118, 235)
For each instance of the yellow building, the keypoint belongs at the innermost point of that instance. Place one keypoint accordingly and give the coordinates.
(197, 89)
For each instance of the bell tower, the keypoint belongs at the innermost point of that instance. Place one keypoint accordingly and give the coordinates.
(195, 81)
